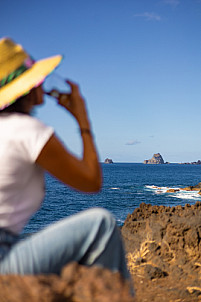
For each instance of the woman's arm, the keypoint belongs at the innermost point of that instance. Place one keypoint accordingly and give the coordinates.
(82, 174)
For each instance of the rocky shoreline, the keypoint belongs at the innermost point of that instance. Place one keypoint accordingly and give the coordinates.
(163, 246)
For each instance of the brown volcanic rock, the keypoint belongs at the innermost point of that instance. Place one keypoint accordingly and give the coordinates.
(172, 190)
(76, 284)
(193, 188)
(160, 223)
(164, 252)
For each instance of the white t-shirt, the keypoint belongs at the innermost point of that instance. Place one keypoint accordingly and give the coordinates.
(22, 138)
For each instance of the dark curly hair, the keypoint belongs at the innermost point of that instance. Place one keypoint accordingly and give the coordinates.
(19, 106)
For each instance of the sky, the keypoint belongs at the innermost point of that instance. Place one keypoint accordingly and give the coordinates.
(138, 65)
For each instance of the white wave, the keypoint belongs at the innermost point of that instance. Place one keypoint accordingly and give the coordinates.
(179, 194)
(156, 189)
(187, 195)
(150, 187)
(120, 220)
(159, 192)
(114, 188)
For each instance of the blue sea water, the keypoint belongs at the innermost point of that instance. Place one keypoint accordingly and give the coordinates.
(125, 186)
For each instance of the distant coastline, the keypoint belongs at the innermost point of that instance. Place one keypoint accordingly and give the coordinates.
(142, 163)
(156, 159)
(192, 163)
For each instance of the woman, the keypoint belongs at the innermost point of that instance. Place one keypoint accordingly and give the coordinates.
(27, 148)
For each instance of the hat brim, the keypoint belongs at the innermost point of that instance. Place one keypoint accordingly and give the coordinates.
(29, 79)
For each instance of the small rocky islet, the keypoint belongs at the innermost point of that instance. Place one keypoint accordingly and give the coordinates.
(108, 161)
(157, 159)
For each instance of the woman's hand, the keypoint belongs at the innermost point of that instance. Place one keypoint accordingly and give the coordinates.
(75, 104)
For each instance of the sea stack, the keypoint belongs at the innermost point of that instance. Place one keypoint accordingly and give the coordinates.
(156, 159)
(108, 161)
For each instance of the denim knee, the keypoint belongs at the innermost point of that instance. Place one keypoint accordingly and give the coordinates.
(105, 216)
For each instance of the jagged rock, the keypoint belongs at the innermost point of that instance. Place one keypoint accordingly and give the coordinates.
(108, 161)
(156, 159)
(193, 188)
(76, 284)
(196, 162)
(172, 190)
(164, 252)
(161, 223)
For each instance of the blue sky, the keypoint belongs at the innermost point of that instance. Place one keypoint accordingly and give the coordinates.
(138, 63)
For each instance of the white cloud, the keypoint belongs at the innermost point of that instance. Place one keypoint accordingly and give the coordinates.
(149, 16)
(133, 142)
(172, 2)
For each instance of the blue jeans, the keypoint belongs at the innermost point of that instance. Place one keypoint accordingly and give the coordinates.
(90, 238)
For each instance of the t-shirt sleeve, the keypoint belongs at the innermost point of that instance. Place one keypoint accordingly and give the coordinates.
(34, 137)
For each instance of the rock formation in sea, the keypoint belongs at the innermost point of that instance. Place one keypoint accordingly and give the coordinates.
(178, 190)
(156, 159)
(108, 161)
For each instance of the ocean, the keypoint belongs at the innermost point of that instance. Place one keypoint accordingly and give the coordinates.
(125, 186)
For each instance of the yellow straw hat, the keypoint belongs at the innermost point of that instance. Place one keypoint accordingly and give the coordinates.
(19, 73)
